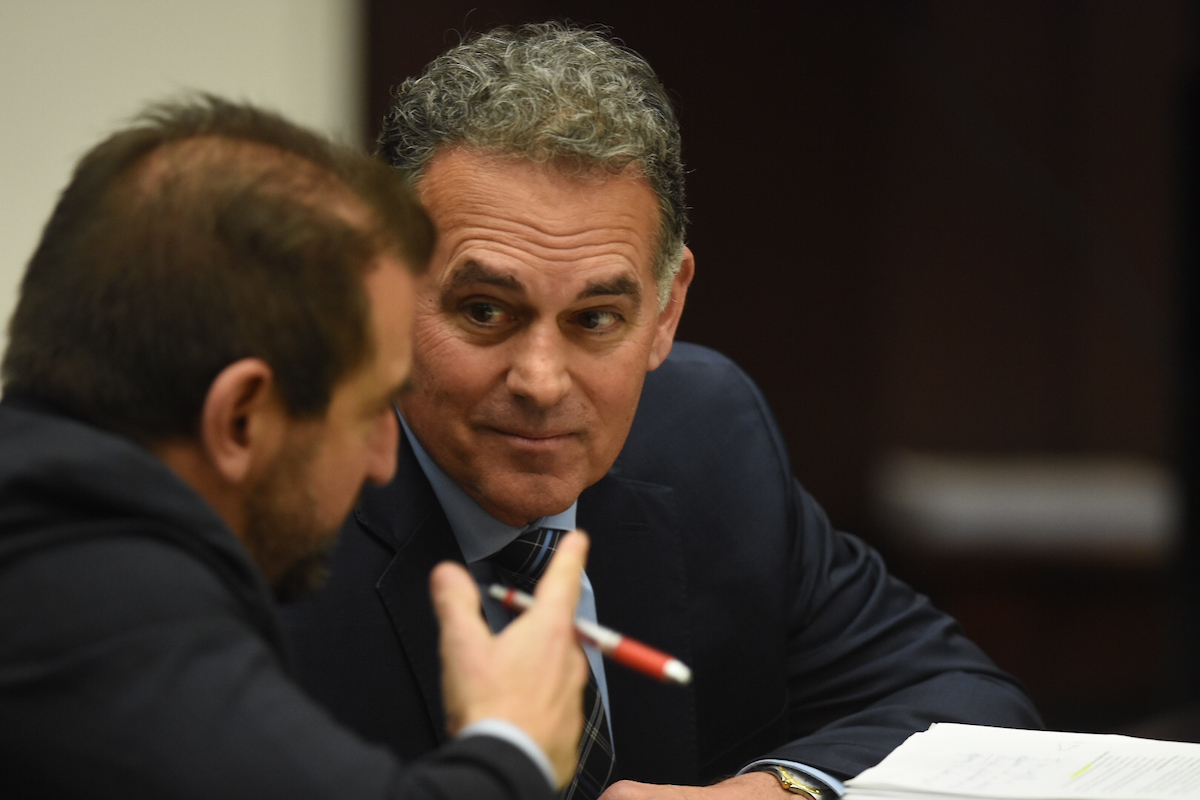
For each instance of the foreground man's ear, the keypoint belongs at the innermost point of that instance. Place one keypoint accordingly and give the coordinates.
(243, 422)
(668, 318)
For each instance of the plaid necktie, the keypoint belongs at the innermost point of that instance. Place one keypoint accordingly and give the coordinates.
(521, 563)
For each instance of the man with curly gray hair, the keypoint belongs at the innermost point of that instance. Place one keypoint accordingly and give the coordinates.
(547, 392)
(551, 95)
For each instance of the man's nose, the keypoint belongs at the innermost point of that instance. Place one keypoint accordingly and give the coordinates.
(539, 370)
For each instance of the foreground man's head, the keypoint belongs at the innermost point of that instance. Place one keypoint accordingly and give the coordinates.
(233, 293)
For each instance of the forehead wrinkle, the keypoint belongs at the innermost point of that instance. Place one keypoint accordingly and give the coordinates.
(511, 240)
(563, 231)
(570, 234)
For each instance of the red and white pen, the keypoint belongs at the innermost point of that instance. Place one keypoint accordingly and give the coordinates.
(619, 648)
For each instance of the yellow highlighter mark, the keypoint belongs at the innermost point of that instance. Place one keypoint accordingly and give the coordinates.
(1082, 770)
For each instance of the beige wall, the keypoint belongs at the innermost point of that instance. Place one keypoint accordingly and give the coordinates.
(71, 70)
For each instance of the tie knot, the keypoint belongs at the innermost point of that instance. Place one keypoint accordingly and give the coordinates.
(524, 559)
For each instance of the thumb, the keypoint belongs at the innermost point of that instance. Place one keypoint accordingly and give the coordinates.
(464, 640)
(456, 602)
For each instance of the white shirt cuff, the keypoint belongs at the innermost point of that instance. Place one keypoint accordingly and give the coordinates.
(511, 733)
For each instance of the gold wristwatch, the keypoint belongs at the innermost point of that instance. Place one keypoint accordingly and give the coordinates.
(793, 782)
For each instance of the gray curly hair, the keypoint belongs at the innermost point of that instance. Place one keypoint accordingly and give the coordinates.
(548, 92)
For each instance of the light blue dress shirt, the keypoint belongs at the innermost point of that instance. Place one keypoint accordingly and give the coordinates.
(479, 535)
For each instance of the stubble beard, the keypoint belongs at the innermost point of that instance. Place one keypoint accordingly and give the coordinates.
(283, 534)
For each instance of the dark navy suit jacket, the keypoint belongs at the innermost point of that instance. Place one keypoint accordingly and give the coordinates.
(703, 545)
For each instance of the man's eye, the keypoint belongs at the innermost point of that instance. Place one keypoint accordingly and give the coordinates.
(484, 313)
(598, 320)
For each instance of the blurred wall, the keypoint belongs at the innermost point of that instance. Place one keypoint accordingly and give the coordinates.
(71, 70)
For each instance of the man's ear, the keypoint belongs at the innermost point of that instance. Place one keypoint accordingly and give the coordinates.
(243, 420)
(668, 318)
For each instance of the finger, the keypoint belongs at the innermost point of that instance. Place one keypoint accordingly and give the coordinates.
(456, 599)
(561, 582)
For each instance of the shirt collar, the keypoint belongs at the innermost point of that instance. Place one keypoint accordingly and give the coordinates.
(479, 534)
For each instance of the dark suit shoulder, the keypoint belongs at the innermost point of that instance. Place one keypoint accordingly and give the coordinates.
(689, 363)
(699, 410)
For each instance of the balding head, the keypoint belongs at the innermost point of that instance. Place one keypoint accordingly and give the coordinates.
(205, 232)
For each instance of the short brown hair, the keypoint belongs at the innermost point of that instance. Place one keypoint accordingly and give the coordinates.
(206, 232)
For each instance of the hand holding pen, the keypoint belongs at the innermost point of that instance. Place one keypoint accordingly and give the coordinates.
(622, 649)
(532, 674)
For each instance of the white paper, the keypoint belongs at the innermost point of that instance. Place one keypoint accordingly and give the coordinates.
(969, 761)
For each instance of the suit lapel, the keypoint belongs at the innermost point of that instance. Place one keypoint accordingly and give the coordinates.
(638, 570)
(412, 522)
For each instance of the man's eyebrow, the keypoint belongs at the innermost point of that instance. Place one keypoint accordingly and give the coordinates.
(473, 272)
(622, 285)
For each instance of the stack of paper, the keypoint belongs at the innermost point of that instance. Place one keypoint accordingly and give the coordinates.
(969, 761)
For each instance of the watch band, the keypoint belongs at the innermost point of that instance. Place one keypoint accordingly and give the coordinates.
(794, 783)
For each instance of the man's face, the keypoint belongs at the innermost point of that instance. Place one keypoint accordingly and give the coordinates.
(535, 327)
(294, 513)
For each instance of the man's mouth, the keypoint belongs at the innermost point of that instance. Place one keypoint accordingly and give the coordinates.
(533, 438)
